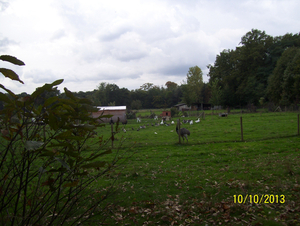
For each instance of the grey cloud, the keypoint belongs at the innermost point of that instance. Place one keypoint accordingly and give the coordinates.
(58, 34)
(128, 54)
(42, 76)
(176, 70)
(113, 35)
(3, 6)
(5, 43)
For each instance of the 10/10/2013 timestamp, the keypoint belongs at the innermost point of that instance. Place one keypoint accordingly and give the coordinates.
(264, 198)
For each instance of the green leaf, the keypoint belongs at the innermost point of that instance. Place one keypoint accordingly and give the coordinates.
(68, 107)
(71, 184)
(12, 60)
(4, 98)
(69, 94)
(33, 145)
(10, 74)
(47, 153)
(86, 127)
(96, 156)
(68, 135)
(53, 122)
(57, 82)
(63, 163)
(7, 90)
(46, 87)
(50, 101)
(94, 164)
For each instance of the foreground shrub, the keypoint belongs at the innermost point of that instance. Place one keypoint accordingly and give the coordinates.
(50, 158)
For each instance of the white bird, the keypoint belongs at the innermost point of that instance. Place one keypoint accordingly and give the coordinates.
(191, 122)
(155, 132)
(138, 120)
(172, 122)
(124, 130)
(162, 122)
(198, 120)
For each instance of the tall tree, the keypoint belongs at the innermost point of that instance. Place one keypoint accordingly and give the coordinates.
(216, 93)
(276, 79)
(291, 80)
(193, 88)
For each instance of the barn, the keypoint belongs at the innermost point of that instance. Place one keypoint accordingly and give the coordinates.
(116, 111)
(182, 107)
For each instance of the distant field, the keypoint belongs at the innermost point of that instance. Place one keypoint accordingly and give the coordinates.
(209, 180)
(212, 129)
(214, 179)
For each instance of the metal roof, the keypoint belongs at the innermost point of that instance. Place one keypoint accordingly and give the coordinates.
(111, 108)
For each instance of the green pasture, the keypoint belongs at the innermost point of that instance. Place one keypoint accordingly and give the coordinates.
(202, 182)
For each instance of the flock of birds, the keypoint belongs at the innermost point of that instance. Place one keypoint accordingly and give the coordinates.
(184, 133)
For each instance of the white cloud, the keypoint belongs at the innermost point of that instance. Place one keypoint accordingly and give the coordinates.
(129, 43)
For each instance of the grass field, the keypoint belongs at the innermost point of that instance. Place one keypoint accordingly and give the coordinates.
(215, 178)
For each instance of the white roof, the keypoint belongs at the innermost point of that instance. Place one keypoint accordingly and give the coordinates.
(101, 108)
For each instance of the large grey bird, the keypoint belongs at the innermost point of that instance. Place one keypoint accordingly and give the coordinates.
(183, 133)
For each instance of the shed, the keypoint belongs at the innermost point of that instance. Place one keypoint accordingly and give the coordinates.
(166, 115)
(182, 107)
(116, 111)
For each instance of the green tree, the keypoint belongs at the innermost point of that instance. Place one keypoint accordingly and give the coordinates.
(276, 79)
(136, 104)
(216, 93)
(193, 88)
(291, 79)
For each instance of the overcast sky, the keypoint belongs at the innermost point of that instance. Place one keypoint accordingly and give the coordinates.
(128, 43)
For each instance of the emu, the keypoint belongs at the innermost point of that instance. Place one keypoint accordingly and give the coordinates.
(183, 133)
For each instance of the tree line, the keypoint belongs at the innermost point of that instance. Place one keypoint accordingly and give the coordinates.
(261, 69)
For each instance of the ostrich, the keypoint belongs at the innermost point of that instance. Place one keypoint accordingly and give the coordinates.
(183, 133)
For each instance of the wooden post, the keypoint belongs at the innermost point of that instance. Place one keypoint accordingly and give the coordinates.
(298, 124)
(112, 135)
(242, 137)
(178, 125)
(203, 115)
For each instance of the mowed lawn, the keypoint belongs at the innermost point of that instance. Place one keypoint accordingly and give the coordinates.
(213, 179)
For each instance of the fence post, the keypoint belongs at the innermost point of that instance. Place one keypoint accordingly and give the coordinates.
(178, 125)
(242, 137)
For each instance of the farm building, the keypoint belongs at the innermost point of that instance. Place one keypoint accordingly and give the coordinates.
(182, 107)
(116, 111)
(194, 107)
(166, 115)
